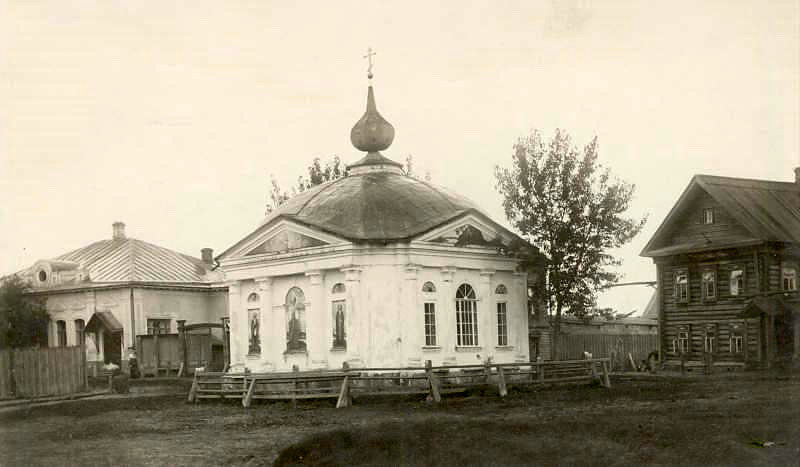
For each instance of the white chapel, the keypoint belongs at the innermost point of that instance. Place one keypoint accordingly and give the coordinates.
(375, 269)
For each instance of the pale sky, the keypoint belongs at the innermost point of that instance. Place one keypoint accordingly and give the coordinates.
(172, 116)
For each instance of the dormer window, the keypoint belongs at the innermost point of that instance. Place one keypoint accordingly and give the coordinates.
(43, 276)
(708, 216)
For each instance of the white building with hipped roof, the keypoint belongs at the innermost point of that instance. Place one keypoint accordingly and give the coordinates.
(118, 288)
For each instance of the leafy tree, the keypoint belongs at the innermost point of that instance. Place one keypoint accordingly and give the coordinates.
(23, 319)
(565, 203)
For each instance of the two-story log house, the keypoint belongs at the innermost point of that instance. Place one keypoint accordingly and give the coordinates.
(727, 258)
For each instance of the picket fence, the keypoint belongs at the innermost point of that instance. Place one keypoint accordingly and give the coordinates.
(614, 347)
(39, 372)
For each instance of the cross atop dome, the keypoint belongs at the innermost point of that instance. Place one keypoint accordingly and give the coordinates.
(372, 134)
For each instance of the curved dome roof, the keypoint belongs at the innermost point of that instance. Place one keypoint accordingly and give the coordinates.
(375, 206)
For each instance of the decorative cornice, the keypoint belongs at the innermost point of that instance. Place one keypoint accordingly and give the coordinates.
(315, 276)
(263, 283)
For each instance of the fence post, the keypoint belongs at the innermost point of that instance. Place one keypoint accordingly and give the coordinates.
(182, 348)
(85, 375)
(193, 390)
(501, 382)
(433, 382)
(295, 371)
(249, 395)
(606, 379)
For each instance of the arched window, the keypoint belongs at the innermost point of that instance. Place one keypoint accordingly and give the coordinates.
(338, 310)
(429, 313)
(79, 326)
(61, 333)
(254, 320)
(502, 316)
(466, 316)
(295, 320)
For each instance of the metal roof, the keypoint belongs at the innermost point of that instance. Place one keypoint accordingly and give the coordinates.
(129, 259)
(769, 210)
(378, 206)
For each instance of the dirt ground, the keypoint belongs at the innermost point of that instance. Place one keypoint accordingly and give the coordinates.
(682, 421)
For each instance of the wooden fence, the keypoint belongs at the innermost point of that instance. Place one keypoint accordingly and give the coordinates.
(432, 381)
(42, 372)
(614, 347)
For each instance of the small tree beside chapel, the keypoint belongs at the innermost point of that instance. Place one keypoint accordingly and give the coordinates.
(23, 320)
(565, 203)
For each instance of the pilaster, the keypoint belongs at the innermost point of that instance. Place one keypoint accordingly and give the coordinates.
(487, 312)
(238, 323)
(266, 320)
(316, 321)
(447, 304)
(358, 319)
(410, 318)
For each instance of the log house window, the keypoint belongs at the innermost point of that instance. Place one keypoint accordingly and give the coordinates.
(737, 281)
(736, 339)
(708, 216)
(682, 286)
(789, 277)
(709, 285)
(710, 340)
(681, 343)
(430, 324)
(466, 316)
(157, 326)
(61, 333)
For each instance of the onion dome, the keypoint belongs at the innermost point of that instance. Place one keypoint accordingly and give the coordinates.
(371, 134)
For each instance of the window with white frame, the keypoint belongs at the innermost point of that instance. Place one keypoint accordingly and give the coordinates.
(710, 340)
(708, 216)
(254, 321)
(502, 324)
(430, 324)
(737, 281)
(682, 286)
(709, 285)
(736, 338)
(466, 316)
(683, 341)
(789, 277)
(158, 326)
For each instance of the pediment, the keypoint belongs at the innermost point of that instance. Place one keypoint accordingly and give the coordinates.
(285, 241)
(469, 231)
(283, 237)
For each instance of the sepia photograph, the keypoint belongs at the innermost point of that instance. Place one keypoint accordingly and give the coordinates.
(261, 232)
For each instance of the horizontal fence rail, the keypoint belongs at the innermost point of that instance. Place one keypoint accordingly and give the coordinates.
(429, 380)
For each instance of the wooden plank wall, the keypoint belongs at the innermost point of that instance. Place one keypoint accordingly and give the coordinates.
(42, 372)
(5, 374)
(616, 347)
